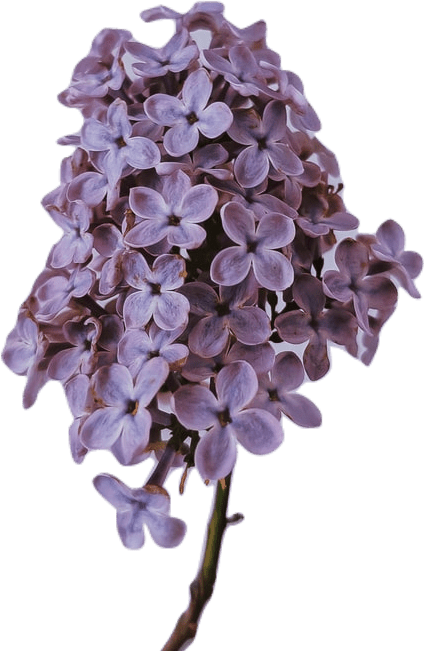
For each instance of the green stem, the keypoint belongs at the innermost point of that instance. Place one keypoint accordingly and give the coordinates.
(201, 588)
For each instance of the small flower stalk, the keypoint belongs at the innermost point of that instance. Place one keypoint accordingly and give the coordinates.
(207, 264)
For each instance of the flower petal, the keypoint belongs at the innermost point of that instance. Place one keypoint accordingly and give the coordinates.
(257, 431)
(250, 325)
(102, 428)
(199, 203)
(181, 139)
(272, 269)
(230, 266)
(164, 109)
(166, 531)
(209, 336)
(236, 385)
(113, 490)
(275, 230)
(301, 410)
(171, 310)
(215, 119)
(216, 453)
(147, 203)
(195, 406)
(238, 222)
(251, 166)
(138, 309)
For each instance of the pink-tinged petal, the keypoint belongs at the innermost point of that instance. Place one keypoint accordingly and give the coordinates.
(260, 356)
(380, 291)
(203, 299)
(147, 203)
(150, 379)
(147, 232)
(294, 327)
(113, 490)
(308, 294)
(186, 235)
(230, 266)
(199, 203)
(215, 120)
(301, 410)
(113, 385)
(275, 230)
(238, 222)
(142, 153)
(337, 286)
(195, 406)
(315, 359)
(208, 337)
(352, 258)
(272, 269)
(216, 453)
(102, 428)
(167, 532)
(164, 109)
(284, 160)
(288, 373)
(250, 325)
(236, 385)
(197, 90)
(257, 430)
(251, 166)
(171, 310)
(134, 436)
(138, 309)
(181, 139)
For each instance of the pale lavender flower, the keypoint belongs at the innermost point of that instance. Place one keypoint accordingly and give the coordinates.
(173, 215)
(109, 242)
(265, 152)
(175, 56)
(76, 244)
(138, 346)
(316, 325)
(276, 394)
(255, 429)
(122, 422)
(205, 161)
(23, 353)
(155, 296)
(189, 115)
(82, 355)
(77, 394)
(114, 138)
(240, 70)
(390, 247)
(256, 248)
(139, 507)
(352, 282)
(91, 188)
(222, 315)
(55, 293)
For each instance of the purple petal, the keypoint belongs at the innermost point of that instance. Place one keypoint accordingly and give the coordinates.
(107, 238)
(150, 379)
(113, 384)
(275, 230)
(284, 160)
(134, 436)
(130, 528)
(136, 270)
(230, 266)
(196, 90)
(142, 153)
(113, 490)
(274, 120)
(260, 356)
(251, 166)
(288, 371)
(352, 258)
(171, 310)
(238, 222)
(167, 532)
(181, 139)
(147, 203)
(64, 364)
(216, 453)
(208, 337)
(250, 325)
(272, 269)
(203, 299)
(236, 385)
(96, 136)
(337, 285)
(380, 291)
(89, 187)
(169, 271)
(186, 235)
(308, 294)
(134, 347)
(315, 359)
(390, 234)
(102, 428)
(342, 221)
(199, 203)
(257, 431)
(138, 309)
(294, 327)
(301, 410)
(215, 119)
(164, 109)
(195, 406)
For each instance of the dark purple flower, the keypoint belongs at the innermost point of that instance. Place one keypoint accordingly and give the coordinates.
(240, 70)
(256, 248)
(256, 429)
(189, 115)
(389, 247)
(175, 56)
(137, 507)
(55, 293)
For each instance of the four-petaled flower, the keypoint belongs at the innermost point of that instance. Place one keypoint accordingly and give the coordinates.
(189, 115)
(255, 248)
(255, 429)
(137, 507)
(122, 422)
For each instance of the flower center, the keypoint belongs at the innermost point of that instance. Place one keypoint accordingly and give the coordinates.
(273, 395)
(192, 118)
(155, 288)
(222, 309)
(224, 417)
(262, 144)
(132, 407)
(120, 142)
(173, 220)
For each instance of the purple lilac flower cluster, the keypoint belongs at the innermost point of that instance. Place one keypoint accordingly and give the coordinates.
(207, 261)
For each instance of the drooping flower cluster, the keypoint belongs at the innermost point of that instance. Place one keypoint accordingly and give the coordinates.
(207, 261)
